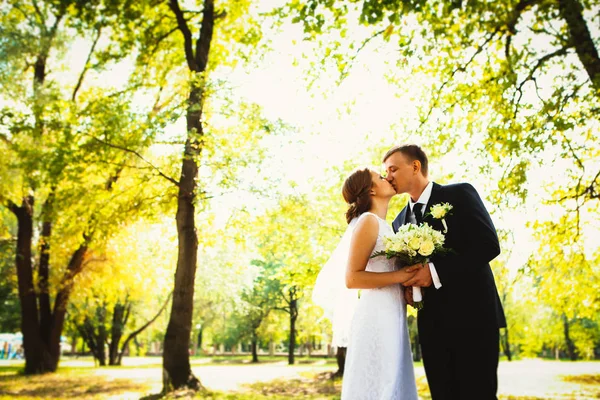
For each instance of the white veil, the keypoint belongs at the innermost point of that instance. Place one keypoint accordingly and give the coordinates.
(330, 291)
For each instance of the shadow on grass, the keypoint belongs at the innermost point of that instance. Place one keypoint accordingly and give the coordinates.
(64, 385)
(307, 386)
(583, 379)
(310, 386)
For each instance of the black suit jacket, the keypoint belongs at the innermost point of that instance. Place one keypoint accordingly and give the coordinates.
(468, 298)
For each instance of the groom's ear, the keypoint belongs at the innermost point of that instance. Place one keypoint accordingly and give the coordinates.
(416, 166)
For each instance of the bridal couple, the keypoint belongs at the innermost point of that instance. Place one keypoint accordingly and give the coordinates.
(461, 314)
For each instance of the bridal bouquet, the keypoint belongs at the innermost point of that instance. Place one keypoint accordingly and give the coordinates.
(414, 244)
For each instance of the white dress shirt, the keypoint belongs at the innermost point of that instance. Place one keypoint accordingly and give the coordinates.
(424, 199)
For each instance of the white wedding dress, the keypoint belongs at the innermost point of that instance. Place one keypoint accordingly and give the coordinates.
(378, 360)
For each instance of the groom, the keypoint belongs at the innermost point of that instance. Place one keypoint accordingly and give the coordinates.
(459, 323)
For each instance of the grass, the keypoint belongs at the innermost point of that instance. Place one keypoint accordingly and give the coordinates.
(66, 384)
(79, 379)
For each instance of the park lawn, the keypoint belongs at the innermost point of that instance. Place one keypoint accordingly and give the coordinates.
(67, 383)
(80, 379)
(82, 382)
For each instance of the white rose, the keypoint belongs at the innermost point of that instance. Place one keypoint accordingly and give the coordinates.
(414, 243)
(397, 247)
(426, 248)
(438, 212)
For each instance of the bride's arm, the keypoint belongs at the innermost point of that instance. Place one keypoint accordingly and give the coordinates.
(361, 246)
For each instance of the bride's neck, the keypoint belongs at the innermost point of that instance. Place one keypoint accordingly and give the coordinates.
(380, 208)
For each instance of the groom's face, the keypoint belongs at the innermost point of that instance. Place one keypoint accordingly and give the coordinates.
(400, 172)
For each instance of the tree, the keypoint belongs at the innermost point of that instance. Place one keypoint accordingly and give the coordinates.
(285, 236)
(566, 281)
(113, 305)
(54, 163)
(260, 299)
(217, 35)
(176, 363)
(102, 325)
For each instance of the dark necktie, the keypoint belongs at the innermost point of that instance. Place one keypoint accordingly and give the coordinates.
(418, 213)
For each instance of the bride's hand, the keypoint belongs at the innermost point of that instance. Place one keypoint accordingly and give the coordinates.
(414, 268)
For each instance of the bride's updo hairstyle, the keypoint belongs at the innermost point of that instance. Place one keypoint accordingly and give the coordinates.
(356, 193)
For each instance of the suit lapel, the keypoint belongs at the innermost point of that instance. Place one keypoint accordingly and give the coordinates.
(401, 219)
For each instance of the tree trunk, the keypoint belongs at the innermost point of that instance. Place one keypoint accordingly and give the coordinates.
(37, 355)
(341, 361)
(43, 274)
(572, 12)
(93, 341)
(95, 335)
(119, 320)
(199, 341)
(254, 348)
(506, 345)
(177, 372)
(62, 298)
(293, 317)
(571, 350)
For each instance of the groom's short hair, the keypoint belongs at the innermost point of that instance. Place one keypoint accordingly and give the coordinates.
(412, 152)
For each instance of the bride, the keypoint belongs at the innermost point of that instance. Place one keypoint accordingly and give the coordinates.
(374, 327)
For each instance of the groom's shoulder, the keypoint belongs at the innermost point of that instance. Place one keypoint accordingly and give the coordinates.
(455, 188)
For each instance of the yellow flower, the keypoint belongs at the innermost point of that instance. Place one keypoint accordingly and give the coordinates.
(438, 211)
(426, 248)
(414, 243)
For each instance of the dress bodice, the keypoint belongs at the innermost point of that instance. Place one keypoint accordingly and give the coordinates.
(381, 263)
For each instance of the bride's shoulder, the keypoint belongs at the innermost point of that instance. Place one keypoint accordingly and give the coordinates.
(366, 224)
(372, 222)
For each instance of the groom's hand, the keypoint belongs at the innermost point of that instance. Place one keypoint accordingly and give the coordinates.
(422, 277)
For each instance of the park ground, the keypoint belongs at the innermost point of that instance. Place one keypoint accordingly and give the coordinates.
(233, 377)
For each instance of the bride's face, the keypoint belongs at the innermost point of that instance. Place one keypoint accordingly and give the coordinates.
(381, 187)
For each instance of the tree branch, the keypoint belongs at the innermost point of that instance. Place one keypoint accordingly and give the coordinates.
(5, 139)
(158, 40)
(460, 68)
(114, 146)
(143, 327)
(350, 63)
(511, 24)
(560, 52)
(39, 14)
(205, 37)
(86, 66)
(187, 35)
(13, 207)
